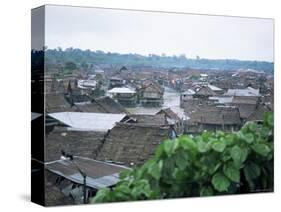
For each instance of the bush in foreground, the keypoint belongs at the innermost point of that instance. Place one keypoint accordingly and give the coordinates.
(205, 165)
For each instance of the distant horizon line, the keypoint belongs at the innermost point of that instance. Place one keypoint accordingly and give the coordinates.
(166, 55)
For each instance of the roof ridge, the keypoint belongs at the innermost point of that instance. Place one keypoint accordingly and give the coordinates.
(163, 126)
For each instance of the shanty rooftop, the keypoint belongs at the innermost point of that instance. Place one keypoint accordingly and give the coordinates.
(214, 88)
(245, 100)
(101, 105)
(243, 92)
(205, 91)
(99, 174)
(157, 119)
(56, 102)
(222, 99)
(79, 143)
(258, 114)
(169, 113)
(88, 121)
(216, 115)
(132, 144)
(35, 115)
(121, 90)
(188, 92)
(203, 75)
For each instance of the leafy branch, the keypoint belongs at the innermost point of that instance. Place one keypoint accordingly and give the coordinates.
(204, 165)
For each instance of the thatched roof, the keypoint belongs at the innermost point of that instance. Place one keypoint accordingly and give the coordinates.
(54, 86)
(78, 98)
(80, 143)
(158, 119)
(132, 143)
(216, 115)
(258, 114)
(124, 68)
(56, 102)
(169, 113)
(223, 84)
(267, 99)
(205, 91)
(245, 100)
(246, 105)
(152, 88)
(53, 193)
(269, 106)
(246, 110)
(102, 105)
(110, 105)
(192, 105)
(70, 85)
(91, 107)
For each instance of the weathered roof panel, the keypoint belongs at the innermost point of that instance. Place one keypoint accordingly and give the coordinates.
(243, 92)
(79, 143)
(35, 115)
(121, 90)
(88, 121)
(99, 174)
(102, 105)
(132, 143)
(214, 88)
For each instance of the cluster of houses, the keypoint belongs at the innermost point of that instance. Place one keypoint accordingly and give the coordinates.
(212, 108)
(131, 92)
(120, 86)
(100, 134)
(147, 95)
(87, 117)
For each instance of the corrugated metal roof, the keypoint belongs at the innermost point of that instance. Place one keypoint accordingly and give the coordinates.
(203, 75)
(188, 92)
(222, 99)
(99, 174)
(121, 90)
(35, 115)
(243, 92)
(88, 121)
(214, 88)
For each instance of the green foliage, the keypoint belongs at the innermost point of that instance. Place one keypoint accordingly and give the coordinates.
(206, 191)
(54, 56)
(220, 182)
(219, 146)
(238, 154)
(251, 171)
(70, 66)
(232, 172)
(204, 165)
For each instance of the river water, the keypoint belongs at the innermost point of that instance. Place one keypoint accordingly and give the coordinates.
(171, 100)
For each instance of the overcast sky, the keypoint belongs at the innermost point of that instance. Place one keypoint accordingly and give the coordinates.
(122, 31)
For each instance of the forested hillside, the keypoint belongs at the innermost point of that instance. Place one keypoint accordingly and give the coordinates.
(80, 57)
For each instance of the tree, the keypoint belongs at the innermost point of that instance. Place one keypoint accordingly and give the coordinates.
(70, 66)
(205, 165)
(84, 65)
(99, 57)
